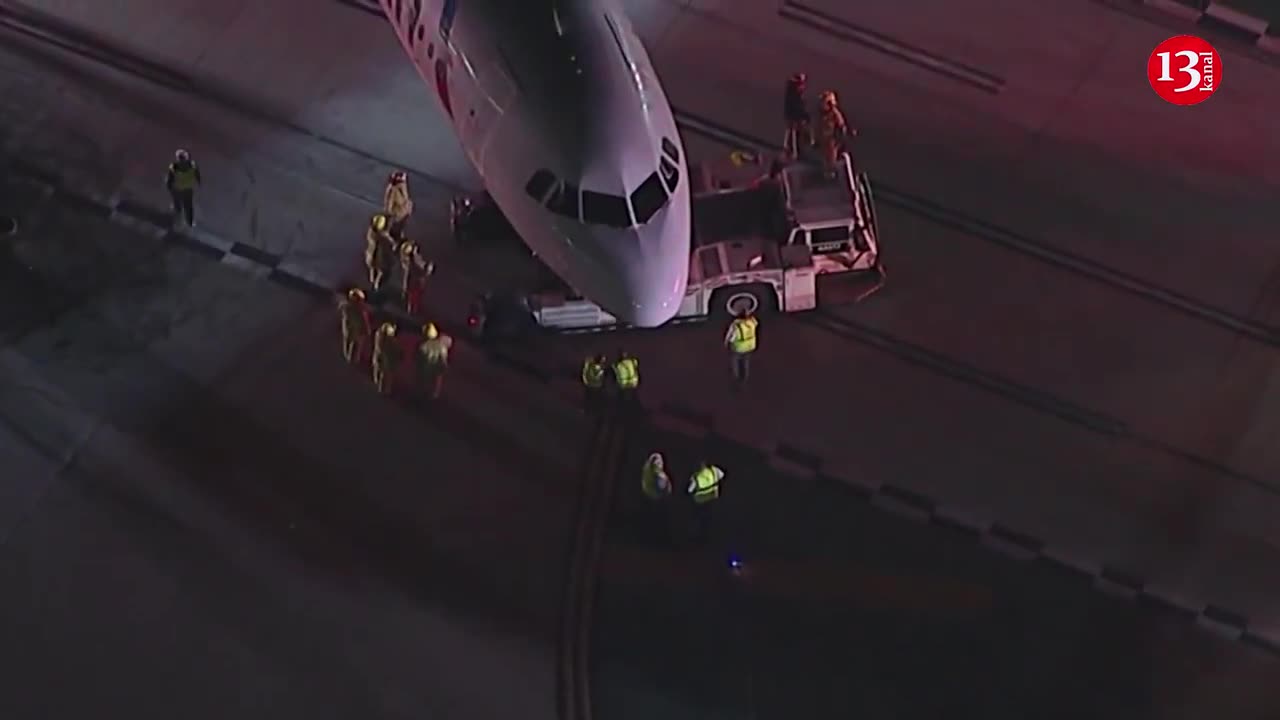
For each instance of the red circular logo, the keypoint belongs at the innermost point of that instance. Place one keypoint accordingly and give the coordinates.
(1184, 70)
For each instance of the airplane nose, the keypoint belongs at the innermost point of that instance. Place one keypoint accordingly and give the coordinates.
(654, 290)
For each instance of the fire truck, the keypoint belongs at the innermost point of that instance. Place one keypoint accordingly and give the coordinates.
(760, 248)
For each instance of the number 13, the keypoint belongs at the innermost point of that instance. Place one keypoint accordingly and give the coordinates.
(1192, 58)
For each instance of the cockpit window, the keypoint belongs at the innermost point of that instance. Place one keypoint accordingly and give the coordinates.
(540, 184)
(607, 210)
(565, 201)
(648, 199)
(670, 149)
(670, 176)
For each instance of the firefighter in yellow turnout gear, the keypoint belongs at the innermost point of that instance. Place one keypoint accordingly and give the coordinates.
(433, 359)
(835, 131)
(379, 252)
(654, 482)
(656, 487)
(356, 324)
(397, 204)
(386, 358)
(740, 341)
(414, 270)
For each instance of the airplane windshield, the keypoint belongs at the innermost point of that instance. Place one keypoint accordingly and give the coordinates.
(607, 210)
(648, 199)
(596, 208)
(670, 149)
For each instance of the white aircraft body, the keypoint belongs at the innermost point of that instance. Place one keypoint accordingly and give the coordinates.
(559, 109)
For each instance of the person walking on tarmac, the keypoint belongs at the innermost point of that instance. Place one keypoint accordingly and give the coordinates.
(626, 375)
(593, 376)
(379, 251)
(397, 204)
(181, 181)
(356, 324)
(433, 359)
(704, 489)
(414, 270)
(386, 358)
(656, 487)
(795, 112)
(740, 341)
(835, 132)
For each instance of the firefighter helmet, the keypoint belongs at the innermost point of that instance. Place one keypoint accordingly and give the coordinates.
(407, 248)
(399, 176)
(379, 222)
(181, 156)
(355, 295)
(429, 330)
(387, 328)
(799, 79)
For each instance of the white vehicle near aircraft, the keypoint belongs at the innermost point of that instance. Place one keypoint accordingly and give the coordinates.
(760, 247)
(558, 107)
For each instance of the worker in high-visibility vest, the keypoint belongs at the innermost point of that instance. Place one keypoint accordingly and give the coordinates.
(386, 358)
(433, 358)
(181, 181)
(704, 489)
(593, 377)
(626, 375)
(740, 341)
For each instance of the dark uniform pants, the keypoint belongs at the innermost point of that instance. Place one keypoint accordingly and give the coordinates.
(184, 205)
(740, 364)
(433, 379)
(592, 400)
(702, 516)
(629, 402)
(384, 374)
(397, 228)
(799, 136)
(354, 344)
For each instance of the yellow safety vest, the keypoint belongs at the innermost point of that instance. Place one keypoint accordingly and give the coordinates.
(649, 481)
(183, 178)
(627, 371)
(707, 484)
(592, 374)
(743, 338)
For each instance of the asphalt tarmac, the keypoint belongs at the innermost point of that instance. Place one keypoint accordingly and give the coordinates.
(199, 476)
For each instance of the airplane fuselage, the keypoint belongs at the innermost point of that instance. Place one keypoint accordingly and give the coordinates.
(557, 105)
